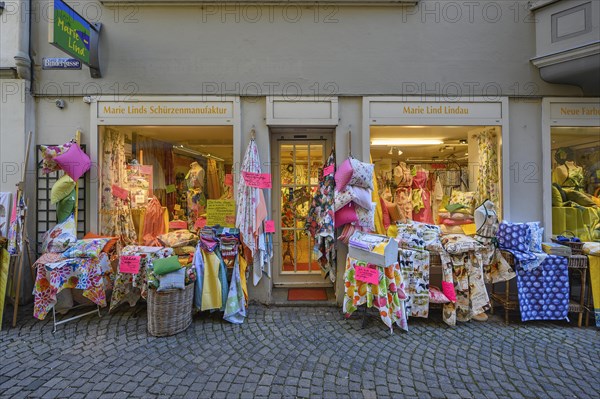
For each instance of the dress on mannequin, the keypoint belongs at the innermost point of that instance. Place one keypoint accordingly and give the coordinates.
(404, 179)
(421, 198)
(486, 222)
(195, 192)
(568, 175)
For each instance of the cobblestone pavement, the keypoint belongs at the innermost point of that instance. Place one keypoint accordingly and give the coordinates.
(297, 352)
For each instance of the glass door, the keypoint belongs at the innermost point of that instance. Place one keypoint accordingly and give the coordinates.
(296, 168)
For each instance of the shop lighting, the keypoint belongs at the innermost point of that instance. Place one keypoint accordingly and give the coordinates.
(400, 152)
(187, 151)
(377, 142)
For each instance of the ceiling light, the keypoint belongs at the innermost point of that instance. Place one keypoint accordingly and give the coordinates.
(400, 152)
(377, 142)
(462, 141)
(391, 151)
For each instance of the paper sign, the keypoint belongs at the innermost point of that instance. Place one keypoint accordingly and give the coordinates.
(200, 223)
(258, 180)
(328, 170)
(129, 264)
(221, 212)
(171, 188)
(366, 274)
(269, 226)
(146, 169)
(119, 192)
(229, 179)
(140, 199)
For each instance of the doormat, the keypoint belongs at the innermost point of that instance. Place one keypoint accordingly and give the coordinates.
(307, 294)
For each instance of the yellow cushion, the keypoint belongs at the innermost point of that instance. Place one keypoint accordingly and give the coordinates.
(61, 188)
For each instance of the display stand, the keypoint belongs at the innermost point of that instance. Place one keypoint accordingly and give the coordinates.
(63, 321)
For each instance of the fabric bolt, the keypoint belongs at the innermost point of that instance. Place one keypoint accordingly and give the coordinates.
(415, 273)
(544, 291)
(422, 212)
(387, 296)
(488, 178)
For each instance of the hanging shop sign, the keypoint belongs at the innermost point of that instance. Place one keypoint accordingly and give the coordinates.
(60, 63)
(221, 212)
(74, 35)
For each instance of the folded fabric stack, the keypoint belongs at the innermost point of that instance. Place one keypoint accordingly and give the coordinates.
(458, 212)
(552, 248)
(353, 201)
(183, 243)
(168, 274)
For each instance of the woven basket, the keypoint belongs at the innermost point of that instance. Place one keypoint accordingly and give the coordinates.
(578, 262)
(169, 312)
(576, 247)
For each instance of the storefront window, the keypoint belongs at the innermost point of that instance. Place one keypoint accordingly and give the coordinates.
(437, 174)
(167, 173)
(576, 182)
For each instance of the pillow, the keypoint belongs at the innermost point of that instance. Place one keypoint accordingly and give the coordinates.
(579, 197)
(395, 212)
(171, 281)
(537, 236)
(385, 215)
(454, 215)
(74, 162)
(49, 152)
(61, 188)
(437, 296)
(409, 237)
(343, 174)
(86, 248)
(451, 229)
(179, 238)
(448, 290)
(60, 237)
(65, 207)
(456, 222)
(515, 236)
(366, 217)
(362, 175)
(109, 245)
(466, 198)
(186, 250)
(556, 197)
(360, 196)
(459, 243)
(345, 215)
(561, 192)
(166, 265)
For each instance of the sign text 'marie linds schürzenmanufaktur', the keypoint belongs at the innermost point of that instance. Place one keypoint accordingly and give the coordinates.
(164, 110)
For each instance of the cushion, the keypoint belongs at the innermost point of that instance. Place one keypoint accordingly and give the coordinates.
(186, 250)
(86, 248)
(537, 236)
(366, 217)
(579, 197)
(416, 235)
(437, 296)
(515, 236)
(362, 175)
(65, 207)
(109, 245)
(466, 198)
(166, 265)
(459, 243)
(343, 174)
(454, 215)
(448, 290)
(395, 212)
(173, 280)
(74, 162)
(451, 229)
(385, 215)
(179, 238)
(456, 222)
(60, 237)
(49, 152)
(360, 196)
(345, 215)
(61, 188)
(556, 197)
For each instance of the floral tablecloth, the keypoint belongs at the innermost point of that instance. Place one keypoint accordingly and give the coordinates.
(131, 287)
(55, 273)
(388, 296)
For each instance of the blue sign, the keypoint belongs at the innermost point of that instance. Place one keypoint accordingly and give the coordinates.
(61, 63)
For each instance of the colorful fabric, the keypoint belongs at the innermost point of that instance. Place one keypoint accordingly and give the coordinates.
(87, 248)
(388, 296)
(49, 152)
(320, 222)
(537, 236)
(179, 238)
(488, 179)
(235, 307)
(421, 198)
(515, 236)
(544, 291)
(465, 198)
(60, 237)
(81, 273)
(362, 174)
(211, 285)
(74, 162)
(415, 274)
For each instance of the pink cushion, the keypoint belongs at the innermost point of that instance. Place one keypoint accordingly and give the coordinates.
(456, 222)
(385, 214)
(448, 290)
(437, 296)
(343, 174)
(345, 215)
(74, 162)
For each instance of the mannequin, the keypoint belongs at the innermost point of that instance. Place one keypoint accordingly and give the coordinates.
(568, 175)
(195, 193)
(486, 222)
(402, 174)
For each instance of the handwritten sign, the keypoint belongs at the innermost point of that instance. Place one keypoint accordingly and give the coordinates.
(269, 226)
(228, 179)
(170, 188)
(366, 274)
(119, 192)
(200, 223)
(129, 264)
(258, 180)
(221, 212)
(327, 170)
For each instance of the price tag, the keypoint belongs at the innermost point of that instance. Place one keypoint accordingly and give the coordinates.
(119, 192)
(258, 180)
(366, 274)
(269, 226)
(140, 199)
(327, 170)
(129, 264)
(200, 223)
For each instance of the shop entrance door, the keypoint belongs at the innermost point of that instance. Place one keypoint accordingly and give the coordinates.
(298, 156)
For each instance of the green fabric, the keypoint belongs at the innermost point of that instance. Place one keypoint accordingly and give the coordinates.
(556, 197)
(61, 188)
(166, 265)
(454, 207)
(582, 199)
(562, 193)
(578, 220)
(65, 207)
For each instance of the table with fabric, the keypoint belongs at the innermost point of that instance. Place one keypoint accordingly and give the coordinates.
(388, 296)
(55, 273)
(130, 287)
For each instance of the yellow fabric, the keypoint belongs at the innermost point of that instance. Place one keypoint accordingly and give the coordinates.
(211, 288)
(579, 221)
(392, 231)
(379, 229)
(380, 248)
(594, 265)
(469, 229)
(138, 217)
(243, 267)
(61, 188)
(166, 217)
(4, 261)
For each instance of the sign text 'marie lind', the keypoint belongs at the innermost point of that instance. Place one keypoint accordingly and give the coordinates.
(164, 110)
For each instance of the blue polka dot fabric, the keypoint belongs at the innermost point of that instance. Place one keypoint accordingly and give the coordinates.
(515, 236)
(544, 291)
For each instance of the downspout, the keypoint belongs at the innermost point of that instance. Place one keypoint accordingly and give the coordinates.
(23, 58)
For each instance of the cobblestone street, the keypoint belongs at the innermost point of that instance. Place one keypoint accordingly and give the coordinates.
(297, 352)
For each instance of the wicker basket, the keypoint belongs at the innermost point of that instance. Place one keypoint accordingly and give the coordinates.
(169, 312)
(578, 262)
(576, 247)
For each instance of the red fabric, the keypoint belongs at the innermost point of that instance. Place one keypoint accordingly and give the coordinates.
(154, 223)
(456, 222)
(385, 214)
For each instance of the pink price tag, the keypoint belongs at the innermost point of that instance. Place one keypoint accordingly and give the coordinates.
(200, 223)
(146, 169)
(119, 192)
(328, 170)
(129, 264)
(257, 180)
(269, 226)
(366, 274)
(228, 179)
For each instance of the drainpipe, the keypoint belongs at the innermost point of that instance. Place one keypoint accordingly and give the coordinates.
(23, 59)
